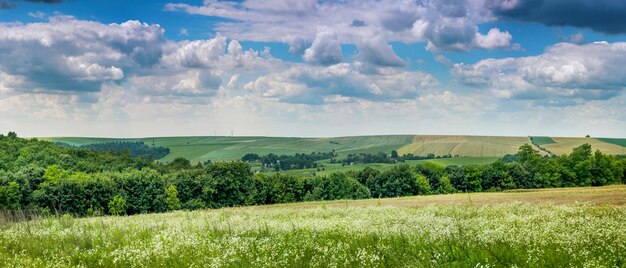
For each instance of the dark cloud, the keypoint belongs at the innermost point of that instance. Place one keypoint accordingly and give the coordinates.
(607, 16)
(399, 20)
(8, 4)
(357, 23)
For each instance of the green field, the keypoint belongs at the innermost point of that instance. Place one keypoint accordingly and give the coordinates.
(620, 142)
(200, 149)
(542, 140)
(571, 227)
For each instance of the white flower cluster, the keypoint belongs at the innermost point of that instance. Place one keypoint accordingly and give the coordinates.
(517, 234)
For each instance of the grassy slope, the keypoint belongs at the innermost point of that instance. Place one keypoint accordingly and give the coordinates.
(542, 140)
(540, 228)
(565, 145)
(228, 148)
(475, 146)
(620, 142)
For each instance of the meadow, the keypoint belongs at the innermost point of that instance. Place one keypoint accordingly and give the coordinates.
(568, 227)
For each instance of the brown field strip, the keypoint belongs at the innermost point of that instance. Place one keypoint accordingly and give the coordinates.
(597, 196)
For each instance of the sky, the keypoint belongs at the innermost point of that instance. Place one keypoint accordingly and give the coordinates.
(307, 68)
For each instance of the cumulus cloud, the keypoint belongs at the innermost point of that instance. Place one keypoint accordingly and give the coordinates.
(376, 51)
(344, 81)
(66, 54)
(564, 73)
(608, 16)
(444, 25)
(325, 49)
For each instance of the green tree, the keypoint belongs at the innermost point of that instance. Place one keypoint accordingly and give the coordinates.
(171, 198)
(445, 187)
(180, 163)
(53, 174)
(231, 184)
(10, 196)
(117, 206)
(422, 185)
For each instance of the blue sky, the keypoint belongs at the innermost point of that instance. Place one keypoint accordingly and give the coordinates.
(313, 68)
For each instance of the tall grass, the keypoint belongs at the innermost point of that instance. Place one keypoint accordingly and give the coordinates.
(503, 235)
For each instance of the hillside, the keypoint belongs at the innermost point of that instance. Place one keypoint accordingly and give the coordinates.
(200, 149)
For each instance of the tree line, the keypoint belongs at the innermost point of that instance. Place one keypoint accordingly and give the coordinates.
(135, 149)
(383, 158)
(41, 177)
(288, 162)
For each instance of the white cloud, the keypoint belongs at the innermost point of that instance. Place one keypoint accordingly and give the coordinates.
(564, 71)
(314, 85)
(325, 49)
(444, 25)
(66, 54)
(38, 15)
(376, 51)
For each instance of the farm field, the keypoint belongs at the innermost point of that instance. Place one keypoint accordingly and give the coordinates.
(565, 145)
(542, 140)
(200, 149)
(568, 227)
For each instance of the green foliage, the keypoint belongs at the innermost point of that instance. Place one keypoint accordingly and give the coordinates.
(171, 198)
(397, 181)
(117, 206)
(231, 184)
(134, 149)
(337, 186)
(10, 196)
(445, 186)
(53, 174)
(422, 185)
(40, 176)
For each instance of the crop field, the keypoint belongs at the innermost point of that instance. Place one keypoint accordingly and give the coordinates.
(565, 145)
(571, 227)
(477, 146)
(200, 149)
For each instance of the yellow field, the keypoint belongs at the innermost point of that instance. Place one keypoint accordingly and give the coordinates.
(464, 145)
(565, 146)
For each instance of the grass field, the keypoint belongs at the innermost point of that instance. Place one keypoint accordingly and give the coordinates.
(620, 142)
(565, 145)
(542, 140)
(200, 149)
(573, 227)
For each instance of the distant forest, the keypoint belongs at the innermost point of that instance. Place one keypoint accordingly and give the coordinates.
(41, 177)
(135, 149)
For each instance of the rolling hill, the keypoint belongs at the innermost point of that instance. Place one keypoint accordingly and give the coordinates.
(202, 148)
